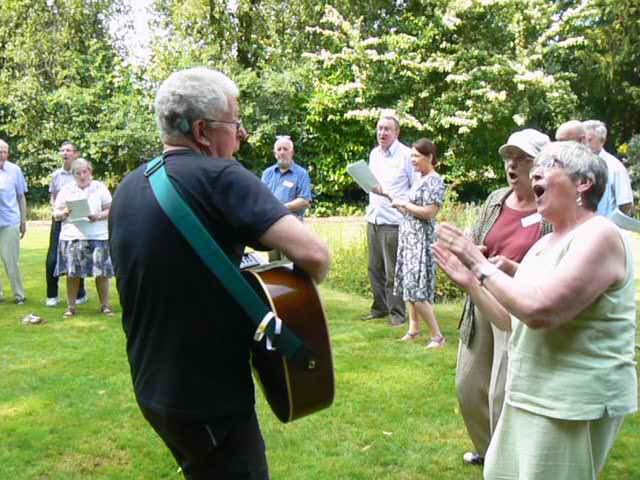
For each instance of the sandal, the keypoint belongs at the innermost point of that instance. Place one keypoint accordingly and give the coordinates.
(70, 312)
(106, 310)
(436, 342)
(410, 336)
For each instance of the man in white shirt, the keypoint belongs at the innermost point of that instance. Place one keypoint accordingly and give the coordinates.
(618, 193)
(59, 178)
(13, 216)
(390, 163)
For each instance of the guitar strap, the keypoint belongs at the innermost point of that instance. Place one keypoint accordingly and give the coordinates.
(266, 323)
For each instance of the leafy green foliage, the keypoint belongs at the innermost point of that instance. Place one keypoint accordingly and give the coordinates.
(466, 76)
(632, 154)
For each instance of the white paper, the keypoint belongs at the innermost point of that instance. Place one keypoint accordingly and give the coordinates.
(625, 222)
(363, 175)
(79, 210)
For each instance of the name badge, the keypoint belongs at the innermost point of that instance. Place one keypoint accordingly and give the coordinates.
(531, 220)
(287, 183)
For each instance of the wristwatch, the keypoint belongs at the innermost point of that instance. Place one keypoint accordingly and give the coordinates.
(485, 271)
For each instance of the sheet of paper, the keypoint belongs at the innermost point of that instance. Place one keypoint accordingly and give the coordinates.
(79, 209)
(625, 222)
(363, 175)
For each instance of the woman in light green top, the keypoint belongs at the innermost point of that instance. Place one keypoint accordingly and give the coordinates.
(571, 309)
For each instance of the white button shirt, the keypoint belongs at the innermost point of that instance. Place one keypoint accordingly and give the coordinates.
(395, 173)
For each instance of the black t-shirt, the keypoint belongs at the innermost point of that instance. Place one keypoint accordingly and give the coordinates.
(187, 340)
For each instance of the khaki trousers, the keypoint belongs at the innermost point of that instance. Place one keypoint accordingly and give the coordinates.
(481, 375)
(10, 254)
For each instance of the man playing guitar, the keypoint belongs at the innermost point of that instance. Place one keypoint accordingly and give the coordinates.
(188, 341)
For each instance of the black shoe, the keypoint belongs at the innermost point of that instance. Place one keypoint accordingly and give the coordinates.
(372, 316)
(472, 458)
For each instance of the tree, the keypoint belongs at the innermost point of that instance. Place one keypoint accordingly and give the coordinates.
(61, 71)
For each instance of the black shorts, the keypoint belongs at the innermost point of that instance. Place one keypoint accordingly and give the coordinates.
(228, 448)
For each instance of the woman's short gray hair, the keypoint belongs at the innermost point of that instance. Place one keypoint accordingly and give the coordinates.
(80, 163)
(190, 95)
(581, 164)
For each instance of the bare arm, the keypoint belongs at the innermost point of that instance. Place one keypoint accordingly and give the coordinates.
(297, 204)
(462, 276)
(426, 212)
(300, 244)
(584, 273)
(22, 205)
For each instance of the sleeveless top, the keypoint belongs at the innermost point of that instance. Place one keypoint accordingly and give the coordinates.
(584, 369)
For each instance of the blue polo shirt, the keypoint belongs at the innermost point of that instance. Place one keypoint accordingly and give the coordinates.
(289, 185)
(12, 185)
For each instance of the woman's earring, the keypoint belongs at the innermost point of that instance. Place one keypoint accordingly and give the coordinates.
(579, 200)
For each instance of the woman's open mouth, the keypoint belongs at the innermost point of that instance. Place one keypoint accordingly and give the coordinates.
(512, 176)
(538, 191)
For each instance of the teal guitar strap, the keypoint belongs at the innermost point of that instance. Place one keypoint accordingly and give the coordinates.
(266, 323)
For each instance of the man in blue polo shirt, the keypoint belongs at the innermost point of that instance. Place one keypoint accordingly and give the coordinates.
(13, 216)
(288, 182)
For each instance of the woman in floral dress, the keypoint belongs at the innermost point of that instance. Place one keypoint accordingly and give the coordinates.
(415, 267)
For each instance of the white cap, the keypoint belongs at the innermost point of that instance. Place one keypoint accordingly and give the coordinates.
(529, 141)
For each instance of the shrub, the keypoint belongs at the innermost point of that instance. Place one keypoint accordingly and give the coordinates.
(328, 208)
(38, 210)
(632, 152)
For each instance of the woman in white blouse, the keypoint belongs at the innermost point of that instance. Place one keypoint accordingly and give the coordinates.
(84, 240)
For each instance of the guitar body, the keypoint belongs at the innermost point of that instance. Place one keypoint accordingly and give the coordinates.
(293, 391)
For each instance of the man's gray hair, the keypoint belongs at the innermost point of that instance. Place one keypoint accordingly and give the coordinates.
(573, 129)
(190, 95)
(2, 142)
(81, 163)
(283, 139)
(597, 127)
(395, 121)
(581, 164)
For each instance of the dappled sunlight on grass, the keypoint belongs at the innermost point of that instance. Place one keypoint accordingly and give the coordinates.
(25, 406)
(68, 412)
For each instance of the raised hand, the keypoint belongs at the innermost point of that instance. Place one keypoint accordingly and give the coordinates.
(505, 264)
(459, 244)
(452, 266)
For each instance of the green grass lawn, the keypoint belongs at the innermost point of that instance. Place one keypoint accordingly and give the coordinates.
(67, 409)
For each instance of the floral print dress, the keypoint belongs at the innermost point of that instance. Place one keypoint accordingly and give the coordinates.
(415, 267)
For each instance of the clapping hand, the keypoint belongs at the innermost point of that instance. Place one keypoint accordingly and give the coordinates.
(505, 264)
(452, 266)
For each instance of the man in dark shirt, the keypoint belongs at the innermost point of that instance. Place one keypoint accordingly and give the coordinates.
(188, 341)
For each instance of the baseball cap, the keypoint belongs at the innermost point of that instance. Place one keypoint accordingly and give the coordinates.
(529, 141)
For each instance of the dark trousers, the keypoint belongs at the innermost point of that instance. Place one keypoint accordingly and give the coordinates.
(52, 258)
(382, 242)
(230, 448)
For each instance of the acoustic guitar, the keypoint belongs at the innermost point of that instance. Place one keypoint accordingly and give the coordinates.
(293, 389)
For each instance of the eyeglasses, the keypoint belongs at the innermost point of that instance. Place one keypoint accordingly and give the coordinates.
(549, 162)
(237, 123)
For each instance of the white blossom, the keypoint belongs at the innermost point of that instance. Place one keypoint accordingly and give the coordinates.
(518, 119)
